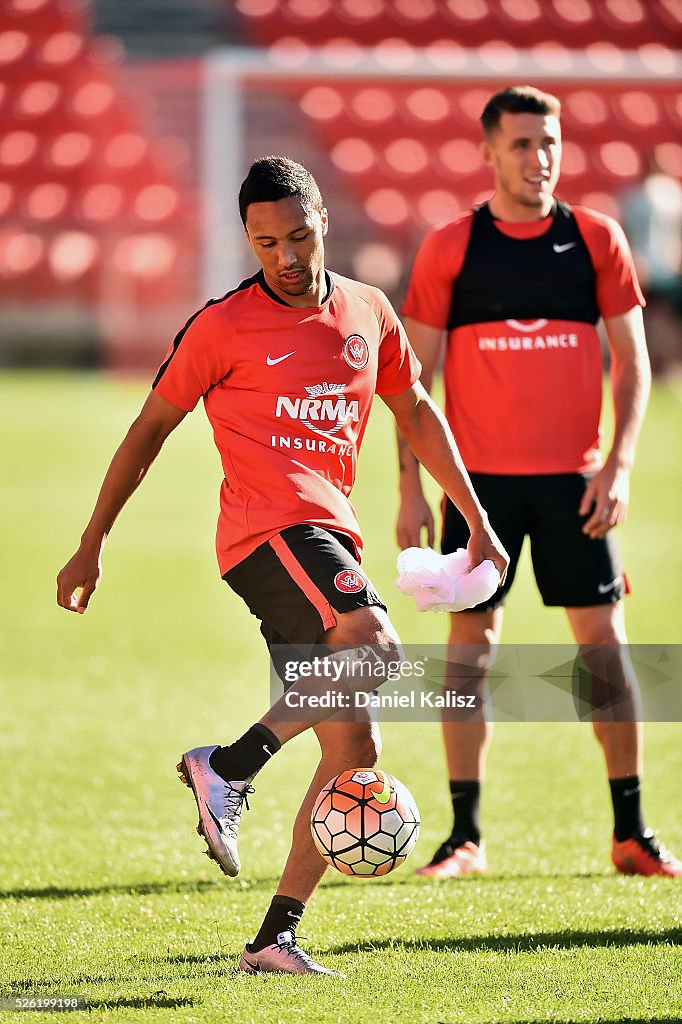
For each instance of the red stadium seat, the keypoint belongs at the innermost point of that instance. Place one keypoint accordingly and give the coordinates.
(73, 255)
(37, 100)
(414, 13)
(584, 109)
(93, 99)
(322, 102)
(306, 12)
(357, 11)
(467, 11)
(427, 105)
(353, 156)
(14, 46)
(101, 203)
(387, 207)
(47, 201)
(668, 156)
(372, 105)
(124, 151)
(86, 197)
(437, 206)
(60, 50)
(459, 158)
(619, 160)
(405, 157)
(18, 151)
(156, 203)
(469, 23)
(574, 161)
(69, 150)
(22, 255)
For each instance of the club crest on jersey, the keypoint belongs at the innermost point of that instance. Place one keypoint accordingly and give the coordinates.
(325, 411)
(356, 351)
(348, 581)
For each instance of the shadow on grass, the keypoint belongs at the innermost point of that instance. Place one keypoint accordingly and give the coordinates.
(615, 1020)
(489, 880)
(157, 1001)
(55, 892)
(524, 943)
(333, 880)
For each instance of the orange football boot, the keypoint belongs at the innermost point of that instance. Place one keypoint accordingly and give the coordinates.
(644, 855)
(456, 858)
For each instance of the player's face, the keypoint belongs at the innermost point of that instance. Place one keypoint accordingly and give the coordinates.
(287, 238)
(524, 152)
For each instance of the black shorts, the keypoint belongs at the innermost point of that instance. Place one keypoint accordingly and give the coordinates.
(571, 570)
(297, 583)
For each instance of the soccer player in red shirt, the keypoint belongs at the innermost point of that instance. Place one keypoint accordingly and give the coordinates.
(287, 365)
(514, 289)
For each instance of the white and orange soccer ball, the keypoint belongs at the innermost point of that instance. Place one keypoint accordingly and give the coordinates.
(365, 822)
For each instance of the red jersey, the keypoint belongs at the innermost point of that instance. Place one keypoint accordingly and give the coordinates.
(288, 392)
(520, 303)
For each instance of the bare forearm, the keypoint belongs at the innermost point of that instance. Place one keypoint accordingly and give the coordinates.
(125, 473)
(409, 479)
(431, 441)
(630, 386)
(427, 342)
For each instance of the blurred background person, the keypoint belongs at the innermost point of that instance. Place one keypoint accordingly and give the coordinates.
(652, 218)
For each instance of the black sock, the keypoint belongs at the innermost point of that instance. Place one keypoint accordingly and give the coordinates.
(465, 795)
(245, 757)
(627, 811)
(284, 915)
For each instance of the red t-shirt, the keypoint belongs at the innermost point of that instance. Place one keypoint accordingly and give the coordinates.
(523, 397)
(288, 392)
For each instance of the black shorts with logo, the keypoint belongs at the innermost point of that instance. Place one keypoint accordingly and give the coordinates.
(297, 583)
(571, 570)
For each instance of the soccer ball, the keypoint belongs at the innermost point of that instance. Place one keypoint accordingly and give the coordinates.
(365, 822)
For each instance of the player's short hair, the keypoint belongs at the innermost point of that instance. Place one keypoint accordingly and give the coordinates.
(518, 99)
(277, 177)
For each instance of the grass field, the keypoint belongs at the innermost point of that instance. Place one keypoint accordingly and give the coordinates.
(104, 893)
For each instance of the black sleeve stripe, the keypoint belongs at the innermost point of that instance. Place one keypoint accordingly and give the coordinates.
(181, 334)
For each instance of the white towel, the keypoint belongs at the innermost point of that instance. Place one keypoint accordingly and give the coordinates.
(444, 583)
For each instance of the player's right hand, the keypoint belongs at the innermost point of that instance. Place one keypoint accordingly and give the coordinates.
(414, 515)
(485, 544)
(78, 580)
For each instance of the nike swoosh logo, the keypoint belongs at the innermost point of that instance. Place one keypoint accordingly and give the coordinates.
(604, 588)
(267, 750)
(630, 792)
(280, 359)
(563, 248)
(384, 795)
(218, 823)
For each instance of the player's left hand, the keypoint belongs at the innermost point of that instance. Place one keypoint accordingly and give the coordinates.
(606, 498)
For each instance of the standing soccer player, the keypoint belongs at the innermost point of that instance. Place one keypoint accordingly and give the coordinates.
(287, 365)
(516, 287)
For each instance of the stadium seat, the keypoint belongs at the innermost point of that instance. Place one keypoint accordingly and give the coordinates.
(47, 202)
(387, 207)
(101, 203)
(471, 23)
(353, 155)
(59, 50)
(90, 201)
(668, 156)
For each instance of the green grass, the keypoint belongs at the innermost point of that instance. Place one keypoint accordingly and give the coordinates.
(104, 891)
